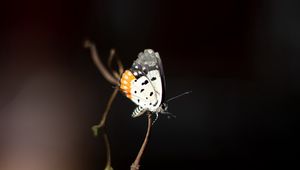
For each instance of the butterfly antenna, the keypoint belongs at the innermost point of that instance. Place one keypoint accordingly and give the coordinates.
(182, 94)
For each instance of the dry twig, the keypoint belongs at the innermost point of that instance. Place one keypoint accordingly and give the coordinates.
(108, 154)
(136, 164)
(102, 121)
(97, 61)
(113, 77)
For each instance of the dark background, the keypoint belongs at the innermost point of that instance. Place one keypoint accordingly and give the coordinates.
(240, 59)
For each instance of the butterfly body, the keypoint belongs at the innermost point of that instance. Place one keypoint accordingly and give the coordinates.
(144, 83)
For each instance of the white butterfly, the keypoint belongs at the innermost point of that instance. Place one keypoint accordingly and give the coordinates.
(145, 84)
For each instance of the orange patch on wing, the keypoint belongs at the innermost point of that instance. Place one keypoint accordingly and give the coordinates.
(126, 79)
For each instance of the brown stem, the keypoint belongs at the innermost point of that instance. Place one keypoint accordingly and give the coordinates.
(136, 164)
(102, 121)
(112, 56)
(112, 77)
(108, 156)
(97, 61)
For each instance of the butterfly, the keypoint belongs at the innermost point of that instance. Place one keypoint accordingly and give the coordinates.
(144, 84)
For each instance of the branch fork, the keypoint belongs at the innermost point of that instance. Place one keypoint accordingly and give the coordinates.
(113, 77)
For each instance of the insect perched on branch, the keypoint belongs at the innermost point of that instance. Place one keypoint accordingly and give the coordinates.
(144, 84)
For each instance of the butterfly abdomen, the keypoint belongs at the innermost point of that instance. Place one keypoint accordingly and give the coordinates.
(138, 111)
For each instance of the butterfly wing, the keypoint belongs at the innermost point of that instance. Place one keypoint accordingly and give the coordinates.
(140, 91)
(162, 75)
(144, 83)
(149, 64)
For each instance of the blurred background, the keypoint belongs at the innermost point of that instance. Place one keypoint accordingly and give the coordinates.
(240, 59)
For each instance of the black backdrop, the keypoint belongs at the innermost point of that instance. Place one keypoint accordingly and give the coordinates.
(240, 59)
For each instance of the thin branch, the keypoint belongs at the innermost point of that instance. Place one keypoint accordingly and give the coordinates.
(112, 56)
(97, 61)
(108, 155)
(102, 121)
(113, 77)
(136, 164)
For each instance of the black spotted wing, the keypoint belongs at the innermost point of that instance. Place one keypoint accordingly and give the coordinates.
(149, 87)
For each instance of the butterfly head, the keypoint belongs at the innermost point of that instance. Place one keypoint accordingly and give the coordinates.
(162, 108)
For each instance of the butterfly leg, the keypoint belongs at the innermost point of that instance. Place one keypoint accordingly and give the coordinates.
(156, 117)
